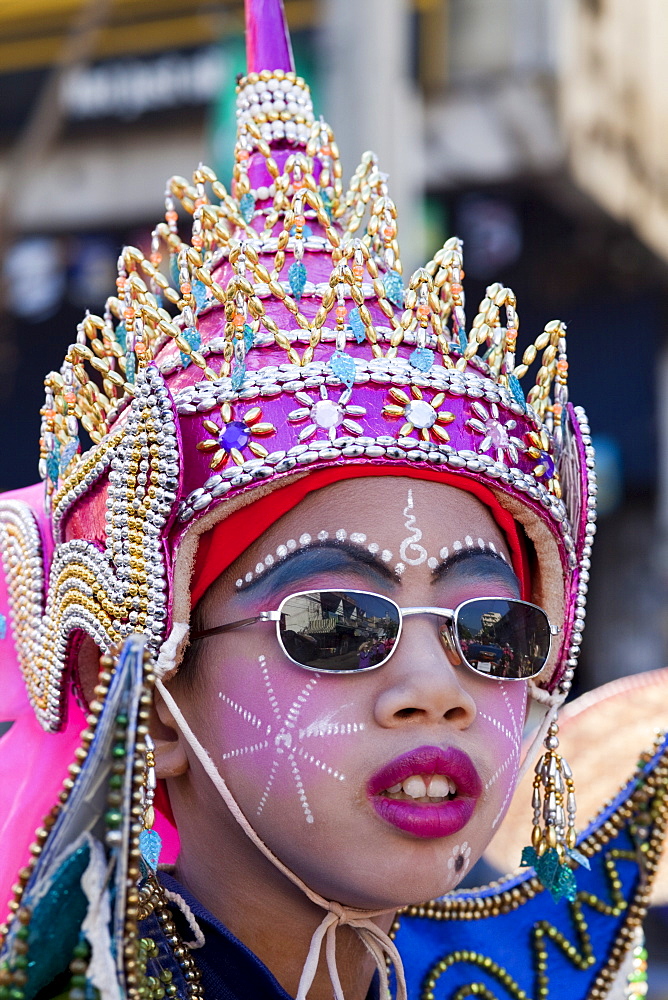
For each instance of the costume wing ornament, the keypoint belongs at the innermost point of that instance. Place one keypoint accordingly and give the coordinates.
(76, 905)
(511, 941)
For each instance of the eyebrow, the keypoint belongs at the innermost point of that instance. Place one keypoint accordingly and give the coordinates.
(475, 564)
(325, 555)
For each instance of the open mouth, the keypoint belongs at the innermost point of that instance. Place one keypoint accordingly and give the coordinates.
(428, 792)
(423, 788)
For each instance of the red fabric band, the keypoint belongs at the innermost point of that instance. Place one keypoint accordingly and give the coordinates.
(230, 538)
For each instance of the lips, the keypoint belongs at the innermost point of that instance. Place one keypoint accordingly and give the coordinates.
(391, 791)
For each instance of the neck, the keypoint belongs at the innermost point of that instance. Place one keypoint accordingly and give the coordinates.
(261, 907)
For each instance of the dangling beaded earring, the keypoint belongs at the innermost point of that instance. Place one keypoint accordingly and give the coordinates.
(149, 839)
(553, 845)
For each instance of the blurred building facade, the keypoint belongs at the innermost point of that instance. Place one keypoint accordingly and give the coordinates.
(532, 128)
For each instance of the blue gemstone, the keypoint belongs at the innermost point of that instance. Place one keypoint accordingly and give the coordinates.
(516, 390)
(297, 279)
(249, 339)
(343, 366)
(356, 325)
(234, 435)
(247, 206)
(121, 335)
(3, 626)
(547, 460)
(193, 338)
(422, 359)
(327, 202)
(150, 843)
(306, 232)
(174, 269)
(394, 288)
(53, 464)
(130, 367)
(463, 340)
(68, 453)
(200, 293)
(573, 853)
(238, 375)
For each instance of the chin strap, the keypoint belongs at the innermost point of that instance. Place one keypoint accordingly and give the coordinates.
(375, 940)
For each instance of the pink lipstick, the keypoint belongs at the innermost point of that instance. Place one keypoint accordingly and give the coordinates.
(393, 789)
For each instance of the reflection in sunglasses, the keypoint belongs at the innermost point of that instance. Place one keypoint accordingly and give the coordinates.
(353, 630)
(339, 630)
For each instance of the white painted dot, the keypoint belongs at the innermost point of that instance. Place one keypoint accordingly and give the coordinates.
(469, 541)
(432, 563)
(492, 546)
(399, 568)
(456, 546)
(291, 544)
(374, 547)
(281, 551)
(386, 555)
(341, 534)
(503, 557)
(445, 552)
(259, 568)
(240, 582)
(323, 535)
(248, 577)
(358, 538)
(269, 560)
(305, 539)
(481, 543)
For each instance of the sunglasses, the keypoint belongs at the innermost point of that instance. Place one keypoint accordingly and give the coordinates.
(351, 631)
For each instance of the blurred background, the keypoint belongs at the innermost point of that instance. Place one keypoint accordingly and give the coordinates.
(537, 130)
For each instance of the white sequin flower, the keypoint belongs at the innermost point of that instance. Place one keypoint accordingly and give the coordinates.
(326, 415)
(497, 434)
(460, 859)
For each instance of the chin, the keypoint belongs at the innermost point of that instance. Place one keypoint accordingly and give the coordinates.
(383, 883)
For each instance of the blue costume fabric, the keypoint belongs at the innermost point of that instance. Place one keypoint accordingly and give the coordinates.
(512, 941)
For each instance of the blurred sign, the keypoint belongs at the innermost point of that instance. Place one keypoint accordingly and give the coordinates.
(128, 88)
(614, 100)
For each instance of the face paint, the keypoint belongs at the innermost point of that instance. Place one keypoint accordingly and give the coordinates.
(298, 749)
(505, 728)
(410, 550)
(277, 737)
(306, 541)
(459, 860)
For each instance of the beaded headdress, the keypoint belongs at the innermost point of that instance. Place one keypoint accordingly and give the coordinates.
(272, 331)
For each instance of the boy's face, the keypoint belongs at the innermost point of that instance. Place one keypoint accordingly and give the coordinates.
(378, 788)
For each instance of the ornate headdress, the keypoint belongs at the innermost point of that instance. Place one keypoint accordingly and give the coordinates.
(285, 339)
(270, 332)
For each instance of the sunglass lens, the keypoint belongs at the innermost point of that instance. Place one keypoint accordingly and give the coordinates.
(503, 638)
(338, 630)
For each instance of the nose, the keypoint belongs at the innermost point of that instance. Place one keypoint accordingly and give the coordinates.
(420, 682)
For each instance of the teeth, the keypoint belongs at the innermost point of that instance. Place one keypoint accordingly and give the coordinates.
(425, 788)
(415, 786)
(439, 786)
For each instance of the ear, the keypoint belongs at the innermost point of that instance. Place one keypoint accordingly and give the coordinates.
(171, 759)
(88, 666)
